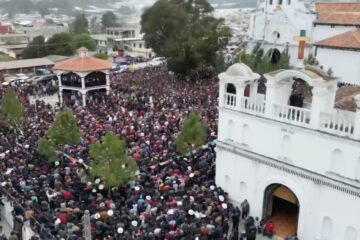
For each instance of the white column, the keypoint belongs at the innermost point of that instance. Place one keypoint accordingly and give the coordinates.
(59, 80)
(319, 104)
(222, 92)
(240, 88)
(253, 89)
(107, 80)
(61, 95)
(357, 118)
(83, 98)
(83, 82)
(270, 99)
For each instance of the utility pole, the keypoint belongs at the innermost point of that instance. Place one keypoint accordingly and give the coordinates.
(87, 226)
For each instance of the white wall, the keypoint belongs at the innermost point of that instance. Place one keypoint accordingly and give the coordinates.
(344, 64)
(308, 149)
(320, 32)
(316, 202)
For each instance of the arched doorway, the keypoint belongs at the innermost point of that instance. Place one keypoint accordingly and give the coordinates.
(282, 207)
(274, 55)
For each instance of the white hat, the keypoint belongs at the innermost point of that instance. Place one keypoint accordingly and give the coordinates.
(97, 181)
(2, 155)
(148, 198)
(97, 215)
(101, 187)
(57, 221)
(137, 188)
(80, 160)
(94, 190)
(57, 163)
(221, 198)
(102, 205)
(191, 175)
(224, 206)
(110, 212)
(26, 146)
(134, 223)
(179, 203)
(191, 212)
(120, 230)
(197, 215)
(157, 230)
(123, 166)
(191, 199)
(189, 168)
(112, 205)
(89, 183)
(3, 184)
(170, 212)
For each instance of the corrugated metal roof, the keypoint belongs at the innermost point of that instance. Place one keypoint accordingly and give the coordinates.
(25, 63)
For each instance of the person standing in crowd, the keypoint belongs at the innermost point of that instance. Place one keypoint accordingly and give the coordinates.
(245, 207)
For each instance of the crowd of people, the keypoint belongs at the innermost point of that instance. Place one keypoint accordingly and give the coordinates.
(173, 197)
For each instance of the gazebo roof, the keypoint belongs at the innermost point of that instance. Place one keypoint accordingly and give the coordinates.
(239, 72)
(83, 64)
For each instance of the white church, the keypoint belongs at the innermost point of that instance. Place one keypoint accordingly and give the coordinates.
(295, 159)
(330, 31)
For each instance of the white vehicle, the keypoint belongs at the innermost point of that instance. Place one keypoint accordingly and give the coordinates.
(22, 77)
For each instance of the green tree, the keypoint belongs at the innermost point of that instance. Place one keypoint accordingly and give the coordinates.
(64, 130)
(311, 60)
(261, 63)
(109, 19)
(12, 110)
(185, 32)
(61, 44)
(192, 134)
(80, 25)
(36, 48)
(101, 55)
(111, 162)
(85, 40)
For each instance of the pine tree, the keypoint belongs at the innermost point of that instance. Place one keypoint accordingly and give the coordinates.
(63, 131)
(111, 162)
(192, 134)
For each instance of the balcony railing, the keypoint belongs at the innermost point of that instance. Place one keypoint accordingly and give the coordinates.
(230, 100)
(340, 123)
(295, 115)
(252, 106)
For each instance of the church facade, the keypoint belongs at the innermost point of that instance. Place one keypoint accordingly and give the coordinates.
(296, 160)
(329, 31)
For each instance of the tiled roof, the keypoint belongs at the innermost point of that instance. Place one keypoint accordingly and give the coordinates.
(345, 98)
(350, 40)
(83, 64)
(338, 13)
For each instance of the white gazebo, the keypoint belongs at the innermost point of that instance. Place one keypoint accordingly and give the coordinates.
(83, 74)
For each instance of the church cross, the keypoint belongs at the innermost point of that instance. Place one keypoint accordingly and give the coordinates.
(302, 40)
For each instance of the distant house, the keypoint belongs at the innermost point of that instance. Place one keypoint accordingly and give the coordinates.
(5, 28)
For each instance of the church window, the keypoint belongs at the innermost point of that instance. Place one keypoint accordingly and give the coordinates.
(270, 2)
(243, 189)
(280, 2)
(230, 88)
(351, 234)
(289, 2)
(227, 183)
(332, 26)
(326, 232)
(230, 131)
(337, 161)
(357, 173)
(285, 146)
(245, 135)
